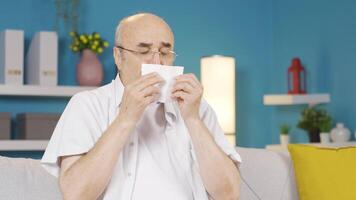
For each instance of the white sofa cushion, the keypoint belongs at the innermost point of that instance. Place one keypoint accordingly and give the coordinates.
(25, 179)
(267, 175)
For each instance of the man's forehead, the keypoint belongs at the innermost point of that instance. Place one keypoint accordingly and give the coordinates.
(148, 38)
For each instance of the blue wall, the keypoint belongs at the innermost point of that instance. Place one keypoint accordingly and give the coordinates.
(262, 35)
(323, 35)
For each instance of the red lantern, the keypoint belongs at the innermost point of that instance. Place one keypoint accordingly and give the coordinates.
(296, 78)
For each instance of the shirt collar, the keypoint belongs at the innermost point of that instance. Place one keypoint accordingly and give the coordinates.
(171, 107)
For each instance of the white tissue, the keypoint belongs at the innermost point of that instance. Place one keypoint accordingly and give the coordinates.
(168, 73)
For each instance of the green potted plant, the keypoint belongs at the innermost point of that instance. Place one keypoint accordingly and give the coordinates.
(284, 130)
(311, 120)
(89, 68)
(326, 123)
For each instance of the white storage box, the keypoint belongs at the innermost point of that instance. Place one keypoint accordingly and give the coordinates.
(11, 57)
(42, 60)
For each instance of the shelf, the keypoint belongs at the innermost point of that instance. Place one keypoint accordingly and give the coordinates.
(23, 145)
(41, 91)
(282, 148)
(286, 99)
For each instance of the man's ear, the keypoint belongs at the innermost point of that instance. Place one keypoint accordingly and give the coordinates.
(117, 57)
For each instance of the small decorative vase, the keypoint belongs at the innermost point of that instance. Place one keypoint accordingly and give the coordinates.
(340, 133)
(284, 139)
(325, 138)
(89, 69)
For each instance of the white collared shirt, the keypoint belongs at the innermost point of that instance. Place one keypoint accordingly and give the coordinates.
(159, 155)
(156, 175)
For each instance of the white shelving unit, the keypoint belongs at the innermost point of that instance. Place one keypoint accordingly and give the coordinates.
(34, 91)
(286, 99)
(41, 91)
(23, 145)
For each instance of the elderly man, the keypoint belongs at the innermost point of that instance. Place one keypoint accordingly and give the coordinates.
(117, 142)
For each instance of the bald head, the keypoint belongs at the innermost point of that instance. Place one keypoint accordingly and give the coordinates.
(142, 25)
(136, 37)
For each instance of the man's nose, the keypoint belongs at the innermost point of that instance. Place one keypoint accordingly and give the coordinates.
(156, 58)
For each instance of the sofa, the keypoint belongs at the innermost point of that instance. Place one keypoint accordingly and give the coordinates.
(265, 174)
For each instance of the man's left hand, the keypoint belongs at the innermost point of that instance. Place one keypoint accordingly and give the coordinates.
(188, 92)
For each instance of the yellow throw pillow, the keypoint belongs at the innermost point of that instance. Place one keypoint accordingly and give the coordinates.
(324, 173)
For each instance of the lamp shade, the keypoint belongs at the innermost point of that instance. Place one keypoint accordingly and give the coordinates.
(218, 80)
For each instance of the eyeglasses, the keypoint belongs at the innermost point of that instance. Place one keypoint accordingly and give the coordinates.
(167, 56)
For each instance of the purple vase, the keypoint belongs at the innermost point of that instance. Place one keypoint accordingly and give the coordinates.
(89, 69)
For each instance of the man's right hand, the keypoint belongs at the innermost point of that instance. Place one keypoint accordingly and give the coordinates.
(137, 96)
